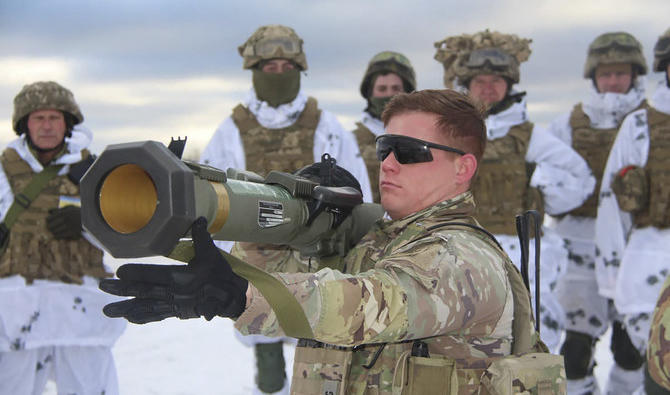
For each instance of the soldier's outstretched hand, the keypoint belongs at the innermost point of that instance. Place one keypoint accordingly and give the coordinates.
(205, 287)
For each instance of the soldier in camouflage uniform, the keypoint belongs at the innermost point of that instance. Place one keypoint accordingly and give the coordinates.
(427, 302)
(50, 305)
(523, 166)
(388, 74)
(633, 223)
(278, 128)
(614, 67)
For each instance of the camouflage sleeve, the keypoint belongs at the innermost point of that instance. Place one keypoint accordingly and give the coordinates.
(273, 258)
(447, 283)
(658, 352)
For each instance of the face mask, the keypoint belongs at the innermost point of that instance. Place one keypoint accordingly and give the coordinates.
(376, 105)
(276, 89)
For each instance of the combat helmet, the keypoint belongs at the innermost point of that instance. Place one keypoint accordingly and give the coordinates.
(44, 95)
(486, 52)
(388, 61)
(271, 42)
(615, 47)
(662, 51)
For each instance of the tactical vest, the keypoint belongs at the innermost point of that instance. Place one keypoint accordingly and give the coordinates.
(318, 365)
(501, 187)
(286, 149)
(657, 212)
(32, 251)
(594, 146)
(368, 149)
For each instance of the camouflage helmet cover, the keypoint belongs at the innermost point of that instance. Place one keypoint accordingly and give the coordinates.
(614, 47)
(389, 61)
(486, 52)
(662, 51)
(44, 95)
(271, 42)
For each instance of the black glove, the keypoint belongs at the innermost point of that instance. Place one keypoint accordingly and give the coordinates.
(65, 223)
(205, 287)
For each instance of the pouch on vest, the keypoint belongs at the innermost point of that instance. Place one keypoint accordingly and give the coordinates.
(631, 188)
(433, 375)
(320, 370)
(23, 200)
(532, 373)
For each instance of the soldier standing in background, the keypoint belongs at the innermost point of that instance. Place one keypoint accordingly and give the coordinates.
(388, 74)
(633, 223)
(50, 305)
(278, 128)
(523, 166)
(615, 65)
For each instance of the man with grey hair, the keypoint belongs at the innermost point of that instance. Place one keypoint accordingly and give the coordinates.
(50, 305)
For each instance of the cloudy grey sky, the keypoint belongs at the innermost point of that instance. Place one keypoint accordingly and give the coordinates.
(152, 69)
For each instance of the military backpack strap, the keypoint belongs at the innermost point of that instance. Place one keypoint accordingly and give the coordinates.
(24, 199)
(289, 313)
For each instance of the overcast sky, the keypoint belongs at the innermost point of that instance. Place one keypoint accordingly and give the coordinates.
(152, 69)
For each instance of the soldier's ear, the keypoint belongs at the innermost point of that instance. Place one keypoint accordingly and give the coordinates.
(466, 167)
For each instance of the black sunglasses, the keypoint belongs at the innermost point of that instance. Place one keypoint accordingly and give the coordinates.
(408, 149)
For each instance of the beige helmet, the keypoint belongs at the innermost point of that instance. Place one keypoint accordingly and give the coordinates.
(389, 61)
(44, 95)
(486, 52)
(271, 42)
(615, 47)
(662, 51)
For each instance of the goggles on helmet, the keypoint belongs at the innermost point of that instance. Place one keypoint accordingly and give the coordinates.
(662, 47)
(408, 150)
(607, 41)
(270, 46)
(493, 56)
(389, 56)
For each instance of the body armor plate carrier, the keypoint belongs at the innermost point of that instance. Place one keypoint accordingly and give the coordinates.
(594, 146)
(501, 188)
(657, 211)
(286, 149)
(32, 251)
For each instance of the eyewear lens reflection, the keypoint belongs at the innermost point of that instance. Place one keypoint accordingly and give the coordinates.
(408, 150)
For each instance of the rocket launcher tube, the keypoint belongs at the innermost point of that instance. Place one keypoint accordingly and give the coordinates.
(139, 199)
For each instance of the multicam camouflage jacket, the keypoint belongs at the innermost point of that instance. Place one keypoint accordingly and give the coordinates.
(413, 278)
(658, 350)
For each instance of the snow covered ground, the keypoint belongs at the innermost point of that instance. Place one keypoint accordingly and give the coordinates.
(175, 357)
